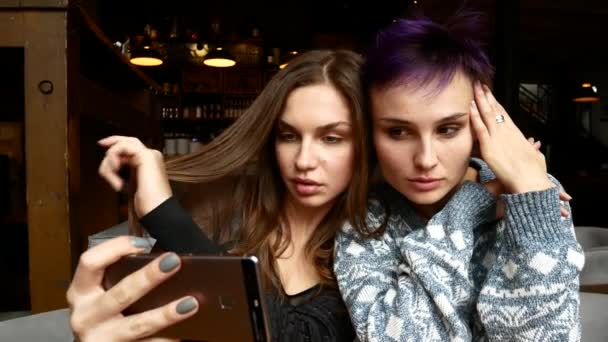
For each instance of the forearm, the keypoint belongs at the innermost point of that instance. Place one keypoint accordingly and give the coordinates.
(175, 230)
(533, 285)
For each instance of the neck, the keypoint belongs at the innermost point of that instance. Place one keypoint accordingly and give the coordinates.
(302, 221)
(427, 211)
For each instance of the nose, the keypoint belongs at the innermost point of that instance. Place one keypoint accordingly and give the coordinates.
(307, 157)
(425, 157)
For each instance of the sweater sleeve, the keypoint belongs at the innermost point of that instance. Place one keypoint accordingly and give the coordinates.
(531, 291)
(175, 230)
(410, 285)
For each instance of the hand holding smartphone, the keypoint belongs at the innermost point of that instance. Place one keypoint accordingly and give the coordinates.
(227, 288)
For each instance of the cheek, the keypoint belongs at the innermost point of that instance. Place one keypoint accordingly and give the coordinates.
(283, 158)
(390, 154)
(458, 151)
(344, 159)
(381, 145)
(339, 164)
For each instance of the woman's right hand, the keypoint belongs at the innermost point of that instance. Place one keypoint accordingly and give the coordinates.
(146, 166)
(496, 188)
(96, 313)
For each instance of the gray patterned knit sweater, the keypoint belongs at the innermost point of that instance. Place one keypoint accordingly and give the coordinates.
(464, 275)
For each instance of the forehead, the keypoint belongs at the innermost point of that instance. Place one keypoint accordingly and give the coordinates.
(433, 101)
(317, 105)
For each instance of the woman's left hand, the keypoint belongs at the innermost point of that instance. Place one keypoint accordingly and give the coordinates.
(515, 162)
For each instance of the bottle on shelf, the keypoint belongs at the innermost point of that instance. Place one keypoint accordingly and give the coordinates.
(169, 117)
(195, 140)
(183, 136)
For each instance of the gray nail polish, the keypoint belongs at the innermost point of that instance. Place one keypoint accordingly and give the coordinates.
(186, 306)
(169, 263)
(139, 242)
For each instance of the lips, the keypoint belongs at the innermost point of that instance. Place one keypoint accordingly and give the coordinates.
(305, 181)
(306, 187)
(424, 184)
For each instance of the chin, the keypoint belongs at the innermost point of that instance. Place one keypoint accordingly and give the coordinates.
(314, 201)
(424, 198)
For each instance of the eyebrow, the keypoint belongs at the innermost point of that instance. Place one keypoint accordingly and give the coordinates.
(452, 117)
(327, 127)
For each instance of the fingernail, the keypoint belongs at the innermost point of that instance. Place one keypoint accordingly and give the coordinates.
(139, 242)
(186, 306)
(169, 263)
(568, 196)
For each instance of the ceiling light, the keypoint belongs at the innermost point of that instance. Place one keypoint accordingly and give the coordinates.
(219, 58)
(146, 56)
(586, 93)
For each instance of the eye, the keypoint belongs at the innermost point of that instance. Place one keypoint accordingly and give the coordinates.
(397, 132)
(331, 139)
(287, 136)
(449, 131)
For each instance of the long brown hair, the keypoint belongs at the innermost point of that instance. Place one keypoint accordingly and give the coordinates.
(239, 176)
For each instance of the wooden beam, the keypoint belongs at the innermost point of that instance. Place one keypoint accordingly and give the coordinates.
(33, 4)
(11, 29)
(48, 153)
(74, 105)
(42, 34)
(59, 210)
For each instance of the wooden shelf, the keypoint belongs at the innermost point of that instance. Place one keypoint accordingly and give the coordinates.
(239, 80)
(116, 109)
(103, 63)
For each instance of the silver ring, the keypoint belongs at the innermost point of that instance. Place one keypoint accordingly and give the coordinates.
(500, 118)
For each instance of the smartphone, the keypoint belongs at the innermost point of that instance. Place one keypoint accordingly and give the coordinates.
(228, 290)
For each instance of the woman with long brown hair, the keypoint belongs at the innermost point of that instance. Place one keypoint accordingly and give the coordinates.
(278, 184)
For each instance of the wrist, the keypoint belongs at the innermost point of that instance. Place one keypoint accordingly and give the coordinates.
(150, 202)
(524, 185)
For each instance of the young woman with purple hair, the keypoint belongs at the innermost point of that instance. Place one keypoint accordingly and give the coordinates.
(436, 263)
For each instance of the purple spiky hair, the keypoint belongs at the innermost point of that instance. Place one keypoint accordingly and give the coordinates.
(415, 52)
